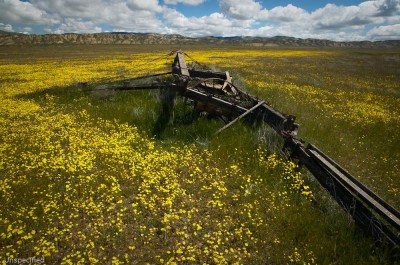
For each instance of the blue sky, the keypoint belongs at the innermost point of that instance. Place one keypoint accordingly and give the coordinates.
(329, 19)
(208, 7)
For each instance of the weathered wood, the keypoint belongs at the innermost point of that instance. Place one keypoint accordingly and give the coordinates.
(358, 183)
(231, 108)
(368, 210)
(388, 213)
(206, 74)
(274, 118)
(362, 215)
(240, 117)
(227, 81)
(180, 66)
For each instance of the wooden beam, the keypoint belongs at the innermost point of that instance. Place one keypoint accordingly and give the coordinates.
(354, 186)
(240, 117)
(206, 74)
(180, 64)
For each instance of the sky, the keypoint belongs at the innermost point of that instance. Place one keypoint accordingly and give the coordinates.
(338, 20)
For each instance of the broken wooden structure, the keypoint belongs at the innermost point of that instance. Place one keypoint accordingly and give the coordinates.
(215, 93)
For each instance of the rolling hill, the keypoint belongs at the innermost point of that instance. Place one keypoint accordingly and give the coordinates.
(9, 38)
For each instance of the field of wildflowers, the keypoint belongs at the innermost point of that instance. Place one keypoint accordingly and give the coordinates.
(84, 182)
(346, 102)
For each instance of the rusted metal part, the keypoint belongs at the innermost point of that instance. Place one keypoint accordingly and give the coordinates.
(240, 117)
(369, 211)
(212, 92)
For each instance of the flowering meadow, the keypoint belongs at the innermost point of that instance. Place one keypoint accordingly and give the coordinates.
(346, 101)
(83, 180)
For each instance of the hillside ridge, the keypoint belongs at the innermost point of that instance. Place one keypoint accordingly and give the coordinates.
(10, 38)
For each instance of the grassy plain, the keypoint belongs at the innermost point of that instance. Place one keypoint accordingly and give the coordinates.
(83, 180)
(347, 102)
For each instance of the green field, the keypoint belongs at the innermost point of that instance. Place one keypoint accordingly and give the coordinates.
(84, 179)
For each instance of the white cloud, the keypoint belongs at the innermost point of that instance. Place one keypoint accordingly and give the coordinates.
(389, 32)
(241, 9)
(369, 12)
(393, 20)
(386, 8)
(121, 18)
(235, 17)
(119, 15)
(286, 14)
(25, 30)
(215, 24)
(6, 27)
(147, 5)
(333, 17)
(186, 2)
(294, 21)
(77, 26)
(15, 11)
(331, 21)
(72, 8)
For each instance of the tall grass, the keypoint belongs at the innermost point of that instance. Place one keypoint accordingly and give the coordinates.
(346, 102)
(95, 176)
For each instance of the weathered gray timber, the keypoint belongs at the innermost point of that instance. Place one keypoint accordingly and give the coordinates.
(215, 93)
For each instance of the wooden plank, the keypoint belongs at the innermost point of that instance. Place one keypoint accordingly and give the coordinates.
(356, 181)
(359, 192)
(350, 202)
(182, 64)
(227, 81)
(206, 74)
(240, 117)
(274, 118)
(368, 210)
(229, 107)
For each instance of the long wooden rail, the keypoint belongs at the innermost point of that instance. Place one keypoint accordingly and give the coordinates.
(368, 210)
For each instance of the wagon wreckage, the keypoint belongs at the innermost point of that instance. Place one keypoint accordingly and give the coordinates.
(215, 93)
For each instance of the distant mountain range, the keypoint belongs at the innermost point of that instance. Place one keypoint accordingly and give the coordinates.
(10, 38)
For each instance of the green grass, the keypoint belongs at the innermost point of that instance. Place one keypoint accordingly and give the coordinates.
(317, 232)
(361, 142)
